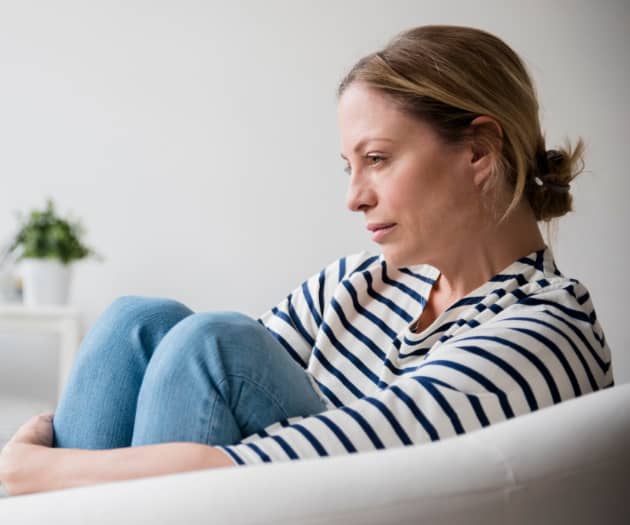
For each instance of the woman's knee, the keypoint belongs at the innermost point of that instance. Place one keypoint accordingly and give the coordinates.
(133, 308)
(137, 321)
(216, 334)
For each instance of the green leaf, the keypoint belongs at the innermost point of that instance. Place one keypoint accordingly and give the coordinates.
(44, 234)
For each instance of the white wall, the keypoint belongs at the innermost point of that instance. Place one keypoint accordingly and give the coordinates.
(197, 140)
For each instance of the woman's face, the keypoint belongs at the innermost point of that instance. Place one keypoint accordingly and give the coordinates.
(416, 193)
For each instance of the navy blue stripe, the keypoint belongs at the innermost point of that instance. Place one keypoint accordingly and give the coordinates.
(526, 260)
(416, 352)
(481, 415)
(320, 291)
(570, 289)
(508, 369)
(294, 355)
(319, 355)
(575, 314)
(481, 379)
(519, 294)
(258, 451)
(311, 303)
(355, 332)
(366, 341)
(556, 270)
(329, 394)
(366, 313)
(558, 353)
(364, 425)
(285, 446)
(233, 454)
(419, 276)
(283, 316)
(311, 439)
(441, 400)
(533, 358)
(400, 432)
(443, 328)
(403, 288)
(364, 264)
(356, 361)
(345, 441)
(504, 277)
(422, 419)
(583, 298)
(587, 369)
(538, 263)
(600, 362)
(342, 268)
(384, 300)
(466, 301)
(539, 260)
(298, 324)
(473, 399)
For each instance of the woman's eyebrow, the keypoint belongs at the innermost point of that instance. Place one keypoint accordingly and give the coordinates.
(362, 142)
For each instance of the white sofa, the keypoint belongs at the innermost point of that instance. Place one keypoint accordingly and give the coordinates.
(565, 464)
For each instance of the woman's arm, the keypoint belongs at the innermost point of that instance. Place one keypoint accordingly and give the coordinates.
(28, 463)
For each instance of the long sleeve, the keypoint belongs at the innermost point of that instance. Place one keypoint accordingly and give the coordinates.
(545, 348)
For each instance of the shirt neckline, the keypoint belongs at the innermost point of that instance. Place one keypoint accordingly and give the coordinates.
(542, 260)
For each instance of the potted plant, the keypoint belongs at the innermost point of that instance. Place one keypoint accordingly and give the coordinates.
(45, 246)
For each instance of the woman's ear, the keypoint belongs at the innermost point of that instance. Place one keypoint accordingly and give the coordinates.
(487, 141)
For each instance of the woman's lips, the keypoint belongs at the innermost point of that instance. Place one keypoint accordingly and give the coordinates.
(380, 230)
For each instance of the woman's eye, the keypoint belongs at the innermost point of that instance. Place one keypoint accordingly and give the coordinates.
(372, 160)
(375, 159)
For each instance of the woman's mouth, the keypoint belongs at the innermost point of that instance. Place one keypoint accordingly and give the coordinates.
(380, 230)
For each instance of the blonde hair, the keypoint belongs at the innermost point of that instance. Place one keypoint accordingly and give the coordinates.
(447, 76)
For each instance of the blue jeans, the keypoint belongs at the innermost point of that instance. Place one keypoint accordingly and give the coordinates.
(150, 370)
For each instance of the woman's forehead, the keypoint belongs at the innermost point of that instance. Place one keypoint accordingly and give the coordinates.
(365, 114)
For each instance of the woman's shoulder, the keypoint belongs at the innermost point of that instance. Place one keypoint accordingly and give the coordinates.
(563, 290)
(539, 281)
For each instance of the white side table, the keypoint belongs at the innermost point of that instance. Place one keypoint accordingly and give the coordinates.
(61, 320)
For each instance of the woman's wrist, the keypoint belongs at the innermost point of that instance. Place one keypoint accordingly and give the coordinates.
(26, 468)
(29, 468)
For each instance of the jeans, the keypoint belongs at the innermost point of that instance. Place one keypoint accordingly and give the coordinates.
(150, 370)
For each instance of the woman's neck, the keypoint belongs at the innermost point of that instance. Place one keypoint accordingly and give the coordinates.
(474, 260)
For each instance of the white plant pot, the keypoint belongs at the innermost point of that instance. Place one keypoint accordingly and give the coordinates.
(45, 282)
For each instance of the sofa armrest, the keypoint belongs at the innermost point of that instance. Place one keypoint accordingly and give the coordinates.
(568, 463)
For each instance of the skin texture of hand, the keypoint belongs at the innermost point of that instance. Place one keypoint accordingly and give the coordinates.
(33, 437)
(29, 464)
(36, 431)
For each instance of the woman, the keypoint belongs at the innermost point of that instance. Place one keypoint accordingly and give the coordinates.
(462, 321)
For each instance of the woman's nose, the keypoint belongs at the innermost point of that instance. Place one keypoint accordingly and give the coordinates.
(360, 196)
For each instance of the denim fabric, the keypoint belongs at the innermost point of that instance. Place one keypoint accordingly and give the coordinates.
(150, 370)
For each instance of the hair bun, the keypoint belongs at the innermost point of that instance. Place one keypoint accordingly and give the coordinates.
(549, 164)
(549, 161)
(554, 170)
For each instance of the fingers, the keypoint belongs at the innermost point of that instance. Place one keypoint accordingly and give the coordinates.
(29, 430)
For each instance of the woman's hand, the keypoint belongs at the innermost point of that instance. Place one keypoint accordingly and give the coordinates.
(36, 431)
(28, 464)
(23, 452)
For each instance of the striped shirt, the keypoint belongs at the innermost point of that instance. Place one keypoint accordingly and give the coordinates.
(526, 339)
